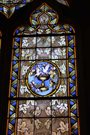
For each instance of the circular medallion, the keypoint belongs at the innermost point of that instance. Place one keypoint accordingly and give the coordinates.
(42, 78)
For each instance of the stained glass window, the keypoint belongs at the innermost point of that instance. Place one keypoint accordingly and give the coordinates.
(8, 7)
(43, 96)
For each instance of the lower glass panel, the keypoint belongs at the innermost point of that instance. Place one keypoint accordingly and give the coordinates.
(43, 126)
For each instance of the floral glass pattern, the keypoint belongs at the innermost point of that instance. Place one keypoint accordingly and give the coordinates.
(43, 81)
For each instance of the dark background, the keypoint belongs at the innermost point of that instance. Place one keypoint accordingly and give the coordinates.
(78, 15)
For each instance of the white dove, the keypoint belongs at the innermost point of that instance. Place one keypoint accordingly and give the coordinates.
(37, 71)
(24, 89)
(46, 68)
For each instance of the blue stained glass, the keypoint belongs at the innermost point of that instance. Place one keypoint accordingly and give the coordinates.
(15, 86)
(73, 121)
(14, 103)
(14, 62)
(70, 69)
(15, 46)
(17, 54)
(75, 112)
(17, 39)
(72, 46)
(17, 7)
(71, 85)
(69, 38)
(73, 93)
(12, 94)
(35, 19)
(11, 112)
(24, 1)
(1, 8)
(13, 78)
(74, 77)
(9, 132)
(71, 29)
(76, 131)
(13, 122)
(71, 103)
(16, 70)
(70, 54)
(17, 31)
(72, 61)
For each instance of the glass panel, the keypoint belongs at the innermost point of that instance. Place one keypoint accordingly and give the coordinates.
(59, 108)
(43, 108)
(59, 53)
(25, 126)
(60, 126)
(26, 108)
(25, 65)
(43, 125)
(28, 42)
(63, 88)
(62, 64)
(43, 41)
(27, 54)
(43, 53)
(58, 41)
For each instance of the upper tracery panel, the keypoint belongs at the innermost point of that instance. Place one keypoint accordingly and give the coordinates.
(8, 7)
(44, 20)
